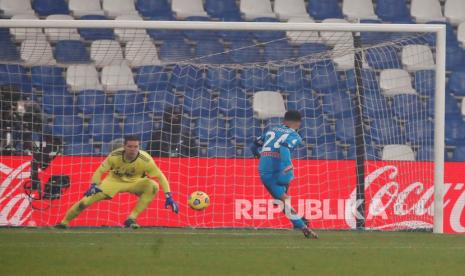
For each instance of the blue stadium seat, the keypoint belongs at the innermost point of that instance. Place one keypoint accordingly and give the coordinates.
(211, 129)
(244, 129)
(459, 154)
(78, 149)
(419, 131)
(222, 8)
(234, 103)
(303, 101)
(9, 51)
(42, 76)
(49, 7)
(186, 77)
(456, 83)
(14, 74)
(152, 78)
(455, 132)
(159, 101)
(291, 79)
(309, 49)
(408, 107)
(370, 152)
(172, 51)
(244, 152)
(327, 151)
(104, 128)
(93, 33)
(324, 78)
(300, 152)
(320, 10)
(452, 109)
(57, 101)
(278, 51)
(345, 130)
(67, 126)
(369, 81)
(128, 102)
(245, 52)
(385, 131)
(149, 8)
(210, 51)
(200, 35)
(425, 153)
(455, 58)
(316, 131)
(256, 78)
(451, 37)
(167, 36)
(385, 57)
(139, 125)
(375, 106)
(425, 82)
(219, 78)
(273, 122)
(91, 102)
(338, 105)
(266, 36)
(392, 10)
(199, 103)
(221, 149)
(370, 38)
(71, 51)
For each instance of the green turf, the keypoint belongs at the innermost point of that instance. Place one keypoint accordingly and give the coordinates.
(227, 252)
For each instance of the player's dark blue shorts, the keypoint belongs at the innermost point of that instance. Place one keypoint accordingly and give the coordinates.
(276, 189)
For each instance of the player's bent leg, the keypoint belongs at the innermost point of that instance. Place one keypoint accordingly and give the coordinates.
(80, 206)
(146, 189)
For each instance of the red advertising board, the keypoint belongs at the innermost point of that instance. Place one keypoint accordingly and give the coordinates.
(399, 195)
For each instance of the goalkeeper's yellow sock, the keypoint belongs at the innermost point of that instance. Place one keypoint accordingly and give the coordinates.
(79, 206)
(149, 192)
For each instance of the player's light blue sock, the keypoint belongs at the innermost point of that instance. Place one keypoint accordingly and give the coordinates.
(298, 223)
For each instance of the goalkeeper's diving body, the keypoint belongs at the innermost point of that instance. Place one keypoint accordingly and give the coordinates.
(131, 170)
(275, 167)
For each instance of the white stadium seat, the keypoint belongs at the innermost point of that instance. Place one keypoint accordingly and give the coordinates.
(85, 7)
(454, 11)
(333, 38)
(268, 104)
(125, 35)
(287, 9)
(36, 52)
(461, 34)
(21, 34)
(114, 8)
(106, 52)
(82, 77)
(186, 8)
(426, 10)
(256, 8)
(358, 9)
(15, 7)
(398, 153)
(346, 61)
(462, 107)
(395, 82)
(141, 52)
(56, 34)
(301, 37)
(118, 77)
(417, 57)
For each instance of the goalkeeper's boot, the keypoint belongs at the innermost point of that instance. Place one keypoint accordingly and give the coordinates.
(60, 226)
(131, 223)
(309, 233)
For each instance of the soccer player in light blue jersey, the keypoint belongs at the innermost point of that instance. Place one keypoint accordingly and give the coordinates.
(276, 170)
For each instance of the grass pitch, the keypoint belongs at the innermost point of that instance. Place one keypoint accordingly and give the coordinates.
(227, 252)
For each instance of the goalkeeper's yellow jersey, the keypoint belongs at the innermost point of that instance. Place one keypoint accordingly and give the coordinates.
(130, 172)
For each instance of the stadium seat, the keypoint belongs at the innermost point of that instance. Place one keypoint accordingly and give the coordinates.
(57, 34)
(287, 9)
(268, 36)
(273, 122)
(244, 129)
(14, 7)
(94, 33)
(417, 57)
(222, 9)
(453, 11)
(316, 131)
(49, 7)
(186, 77)
(152, 78)
(125, 35)
(425, 82)
(211, 129)
(149, 8)
(452, 109)
(307, 104)
(345, 130)
(67, 126)
(244, 52)
(300, 152)
(408, 107)
(234, 103)
(370, 38)
(278, 51)
(174, 51)
(252, 9)
(199, 103)
(9, 52)
(91, 102)
(386, 131)
(455, 132)
(425, 153)
(327, 151)
(392, 10)
(455, 58)
(106, 52)
(458, 154)
(324, 77)
(369, 81)
(221, 149)
(343, 61)
(397, 152)
(222, 78)
(456, 83)
(14, 74)
(211, 52)
(85, 7)
(186, 8)
(37, 52)
(256, 78)
(320, 10)
(79, 149)
(333, 38)
(42, 76)
(141, 52)
(451, 37)
(395, 81)
(118, 77)
(57, 102)
(375, 106)
(71, 51)
(419, 131)
(21, 34)
(82, 77)
(383, 57)
(104, 128)
(338, 105)
(268, 104)
(139, 125)
(159, 101)
(310, 49)
(370, 152)
(291, 78)
(128, 102)
(358, 9)
(200, 36)
(114, 8)
(461, 34)
(426, 10)
(302, 37)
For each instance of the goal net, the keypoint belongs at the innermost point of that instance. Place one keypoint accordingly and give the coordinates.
(197, 98)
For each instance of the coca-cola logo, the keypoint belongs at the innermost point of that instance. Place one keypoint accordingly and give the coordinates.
(15, 207)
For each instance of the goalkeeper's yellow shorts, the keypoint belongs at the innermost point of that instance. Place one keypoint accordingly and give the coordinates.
(110, 186)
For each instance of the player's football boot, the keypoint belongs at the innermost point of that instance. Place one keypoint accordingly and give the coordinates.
(60, 226)
(131, 223)
(309, 233)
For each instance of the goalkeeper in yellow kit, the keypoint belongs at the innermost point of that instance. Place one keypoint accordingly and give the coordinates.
(131, 171)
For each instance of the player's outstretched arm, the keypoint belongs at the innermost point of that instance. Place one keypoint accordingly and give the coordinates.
(256, 145)
(155, 172)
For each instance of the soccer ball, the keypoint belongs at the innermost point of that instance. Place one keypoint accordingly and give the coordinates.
(198, 200)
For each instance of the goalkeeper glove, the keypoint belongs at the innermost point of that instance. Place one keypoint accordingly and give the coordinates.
(93, 189)
(170, 203)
